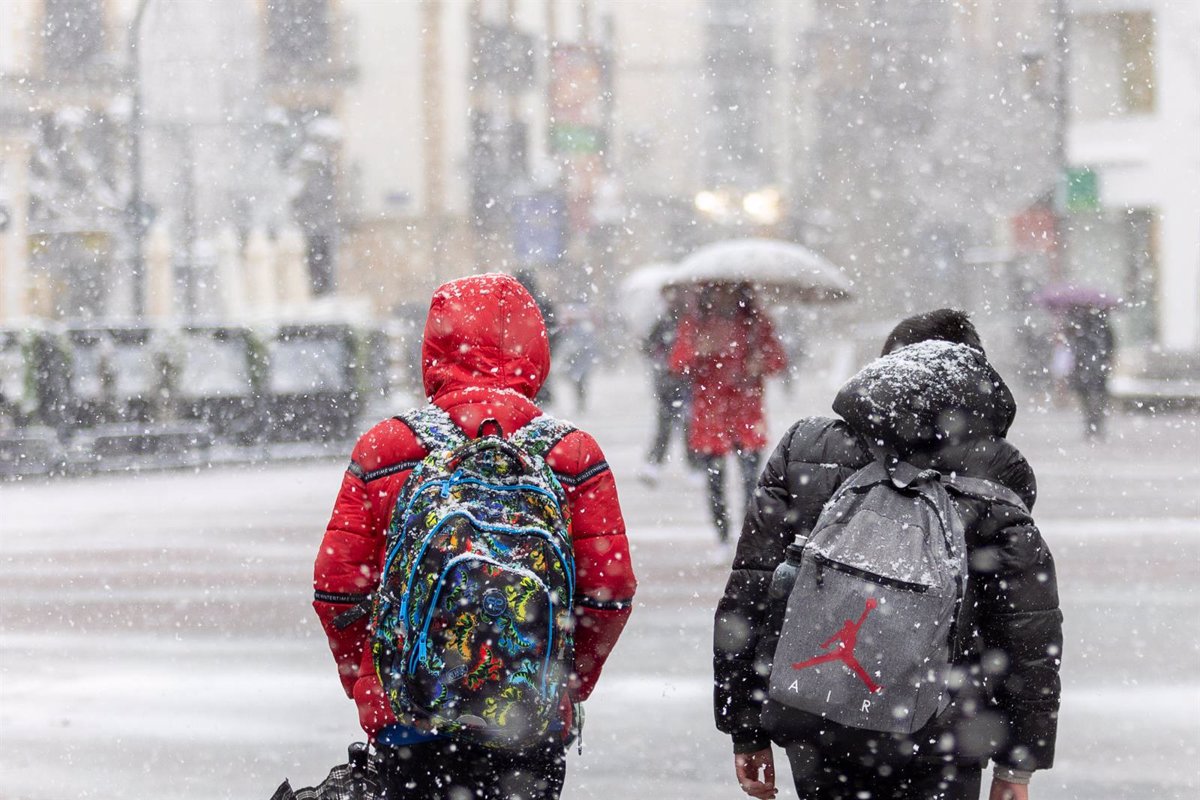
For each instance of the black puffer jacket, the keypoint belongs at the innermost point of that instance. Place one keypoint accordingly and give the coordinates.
(941, 406)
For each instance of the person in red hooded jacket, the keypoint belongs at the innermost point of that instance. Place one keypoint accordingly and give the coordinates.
(485, 355)
(727, 347)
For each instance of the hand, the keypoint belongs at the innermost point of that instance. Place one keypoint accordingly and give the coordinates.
(748, 765)
(1003, 790)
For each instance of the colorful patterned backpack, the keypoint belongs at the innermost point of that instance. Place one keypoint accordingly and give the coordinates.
(472, 623)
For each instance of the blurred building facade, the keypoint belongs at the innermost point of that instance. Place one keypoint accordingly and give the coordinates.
(59, 179)
(378, 148)
(477, 138)
(573, 138)
(925, 125)
(708, 121)
(156, 154)
(1134, 145)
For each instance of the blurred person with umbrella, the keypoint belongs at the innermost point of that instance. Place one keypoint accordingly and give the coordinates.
(728, 345)
(578, 336)
(1093, 344)
(726, 348)
(1088, 334)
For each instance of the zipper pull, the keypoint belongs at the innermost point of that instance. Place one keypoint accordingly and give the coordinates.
(577, 724)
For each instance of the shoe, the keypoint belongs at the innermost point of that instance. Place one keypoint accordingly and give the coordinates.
(649, 474)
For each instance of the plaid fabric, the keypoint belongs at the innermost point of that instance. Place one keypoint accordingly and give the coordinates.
(339, 785)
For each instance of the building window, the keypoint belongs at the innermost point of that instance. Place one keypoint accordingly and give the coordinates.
(1112, 64)
(72, 35)
(738, 66)
(298, 37)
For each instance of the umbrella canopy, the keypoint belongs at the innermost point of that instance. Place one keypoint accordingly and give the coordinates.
(1066, 296)
(778, 268)
(640, 296)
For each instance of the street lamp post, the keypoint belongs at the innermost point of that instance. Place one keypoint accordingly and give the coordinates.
(135, 211)
(1062, 118)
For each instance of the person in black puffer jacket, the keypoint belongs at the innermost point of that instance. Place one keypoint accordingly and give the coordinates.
(939, 406)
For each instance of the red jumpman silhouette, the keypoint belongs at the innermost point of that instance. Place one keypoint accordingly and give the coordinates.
(847, 639)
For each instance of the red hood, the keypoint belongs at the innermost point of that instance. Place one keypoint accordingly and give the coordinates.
(484, 331)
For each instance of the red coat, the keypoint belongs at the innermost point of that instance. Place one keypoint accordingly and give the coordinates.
(485, 355)
(726, 360)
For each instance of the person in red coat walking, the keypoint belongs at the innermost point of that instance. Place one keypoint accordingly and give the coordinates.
(485, 355)
(727, 347)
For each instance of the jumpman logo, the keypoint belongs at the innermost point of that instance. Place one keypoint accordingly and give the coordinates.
(846, 639)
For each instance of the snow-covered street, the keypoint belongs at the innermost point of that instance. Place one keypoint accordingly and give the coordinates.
(157, 639)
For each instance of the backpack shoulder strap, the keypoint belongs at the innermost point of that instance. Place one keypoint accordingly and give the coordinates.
(433, 428)
(541, 434)
(985, 489)
(873, 473)
(904, 474)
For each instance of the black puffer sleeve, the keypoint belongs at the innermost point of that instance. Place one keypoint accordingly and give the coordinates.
(1009, 468)
(1020, 624)
(807, 466)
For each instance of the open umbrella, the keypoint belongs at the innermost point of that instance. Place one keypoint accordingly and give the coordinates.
(782, 269)
(640, 296)
(1066, 296)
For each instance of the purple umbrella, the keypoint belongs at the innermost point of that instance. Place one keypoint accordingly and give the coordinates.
(1065, 296)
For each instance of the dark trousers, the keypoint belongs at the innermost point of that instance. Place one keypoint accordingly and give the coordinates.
(1093, 398)
(821, 778)
(671, 402)
(451, 770)
(750, 462)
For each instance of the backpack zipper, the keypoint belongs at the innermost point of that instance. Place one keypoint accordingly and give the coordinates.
(568, 564)
(396, 547)
(824, 561)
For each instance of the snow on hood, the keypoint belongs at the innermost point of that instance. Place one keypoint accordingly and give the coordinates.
(484, 331)
(926, 395)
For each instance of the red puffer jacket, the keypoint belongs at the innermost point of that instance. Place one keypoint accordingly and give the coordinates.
(727, 360)
(485, 355)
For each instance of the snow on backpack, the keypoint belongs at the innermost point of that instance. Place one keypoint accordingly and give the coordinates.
(868, 636)
(472, 622)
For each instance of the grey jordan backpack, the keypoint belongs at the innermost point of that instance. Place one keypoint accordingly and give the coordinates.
(867, 637)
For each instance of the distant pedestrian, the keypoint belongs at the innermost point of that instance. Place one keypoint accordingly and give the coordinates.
(578, 349)
(549, 313)
(1062, 366)
(1093, 345)
(820, 639)
(476, 703)
(672, 391)
(726, 349)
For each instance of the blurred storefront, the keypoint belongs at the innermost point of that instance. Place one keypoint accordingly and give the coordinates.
(187, 129)
(1135, 91)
